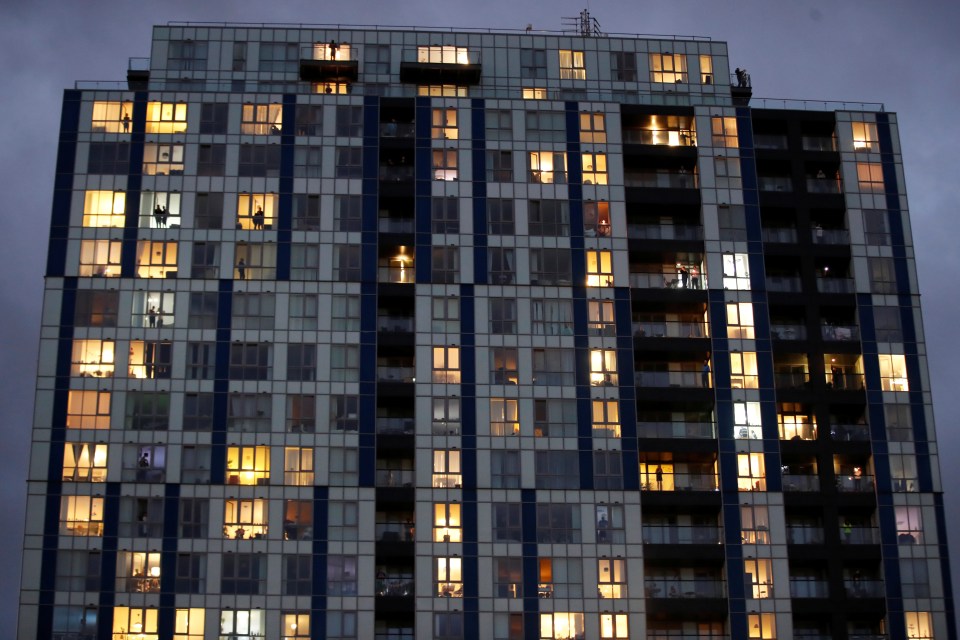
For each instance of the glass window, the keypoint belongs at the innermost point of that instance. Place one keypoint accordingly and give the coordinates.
(298, 466)
(706, 69)
(599, 268)
(668, 67)
(211, 159)
(242, 574)
(446, 365)
(740, 320)
(297, 520)
(156, 259)
(548, 218)
(558, 523)
(248, 465)
(548, 167)
(445, 265)
(865, 136)
(449, 577)
(623, 65)
(447, 526)
(550, 267)
(762, 626)
(610, 524)
(594, 168)
(445, 164)
(445, 314)
(88, 409)
(255, 311)
(572, 65)
(442, 91)
(534, 93)
(504, 417)
(554, 418)
(100, 258)
(92, 358)
(596, 218)
(870, 176)
(243, 623)
(349, 162)
(499, 166)
(344, 363)
(147, 410)
(555, 626)
(503, 315)
(111, 117)
(113, 158)
(759, 578)
(736, 271)
(505, 470)
(743, 370)
(81, 516)
(186, 55)
(750, 472)
(724, 131)
(261, 119)
(446, 468)
(104, 208)
(84, 462)
(508, 578)
(139, 622)
(883, 275)
(876, 227)
(166, 117)
(605, 418)
(244, 519)
(746, 421)
(533, 63)
(376, 59)
(554, 366)
(893, 372)
(754, 524)
(593, 129)
(442, 54)
(99, 308)
(214, 117)
(302, 362)
(295, 626)
(919, 625)
(444, 124)
(612, 579)
(603, 367)
(251, 361)
(499, 124)
(500, 217)
(506, 522)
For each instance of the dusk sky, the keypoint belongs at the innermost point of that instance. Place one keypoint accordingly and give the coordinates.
(904, 55)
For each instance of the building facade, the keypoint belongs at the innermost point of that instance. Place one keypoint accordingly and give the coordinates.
(396, 334)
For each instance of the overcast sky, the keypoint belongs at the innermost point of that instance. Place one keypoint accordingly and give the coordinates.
(905, 55)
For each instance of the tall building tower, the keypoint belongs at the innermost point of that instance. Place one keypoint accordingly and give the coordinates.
(429, 334)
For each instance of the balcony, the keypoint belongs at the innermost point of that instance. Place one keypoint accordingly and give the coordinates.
(864, 588)
(660, 179)
(687, 379)
(440, 64)
(784, 235)
(800, 482)
(678, 481)
(840, 332)
(394, 477)
(850, 432)
(855, 484)
(819, 143)
(682, 588)
(396, 225)
(770, 141)
(395, 324)
(836, 285)
(784, 284)
(674, 534)
(809, 589)
(804, 534)
(775, 183)
(671, 137)
(664, 232)
(823, 184)
(788, 331)
(395, 426)
(859, 535)
(395, 374)
(395, 173)
(791, 379)
(840, 380)
(690, 328)
(676, 429)
(819, 235)
(664, 278)
(328, 63)
(397, 130)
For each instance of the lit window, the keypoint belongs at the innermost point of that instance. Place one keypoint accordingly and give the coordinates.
(92, 358)
(331, 88)
(296, 626)
(762, 626)
(104, 208)
(746, 421)
(81, 516)
(759, 578)
(614, 626)
(919, 625)
(447, 526)
(596, 218)
(256, 210)
(864, 136)
(612, 578)
(603, 367)
(668, 67)
(332, 51)
(111, 117)
(893, 372)
(248, 465)
(255, 261)
(156, 259)
(446, 416)
(750, 472)
(442, 91)
(298, 466)
(85, 462)
(444, 164)
(606, 418)
(754, 524)
(740, 320)
(144, 463)
(449, 577)
(870, 176)
(669, 130)
(548, 167)
(610, 519)
(795, 423)
(909, 525)
(297, 519)
(706, 69)
(188, 624)
(136, 623)
(446, 468)
(504, 418)
(166, 117)
(244, 519)
(159, 210)
(593, 128)
(99, 258)
(149, 359)
(444, 124)
(736, 271)
(556, 626)
(724, 131)
(594, 168)
(534, 93)
(242, 623)
(442, 54)
(600, 318)
(571, 65)
(743, 370)
(446, 365)
(599, 268)
(88, 409)
(261, 119)
(139, 572)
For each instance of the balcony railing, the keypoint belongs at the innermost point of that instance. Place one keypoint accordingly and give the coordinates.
(660, 179)
(809, 589)
(662, 137)
(394, 532)
(784, 284)
(680, 482)
(830, 236)
(678, 588)
(673, 534)
(396, 425)
(395, 477)
(788, 332)
(800, 482)
(791, 379)
(396, 225)
(396, 275)
(668, 379)
(665, 280)
(665, 231)
(836, 285)
(823, 185)
(395, 374)
(860, 535)
(395, 324)
(395, 174)
(670, 329)
(844, 381)
(855, 484)
(804, 534)
(819, 143)
(774, 183)
(769, 141)
(864, 588)
(397, 130)
(676, 430)
(396, 587)
(840, 332)
(787, 235)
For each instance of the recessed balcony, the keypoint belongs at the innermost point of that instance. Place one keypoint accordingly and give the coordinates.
(440, 64)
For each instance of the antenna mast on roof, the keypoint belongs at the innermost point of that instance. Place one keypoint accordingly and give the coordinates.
(584, 25)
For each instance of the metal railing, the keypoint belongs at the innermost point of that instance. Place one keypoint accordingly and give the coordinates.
(675, 534)
(676, 430)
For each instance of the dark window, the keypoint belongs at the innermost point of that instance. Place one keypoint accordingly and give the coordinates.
(203, 311)
(306, 212)
(108, 158)
(309, 119)
(500, 218)
(212, 160)
(259, 161)
(242, 573)
(191, 573)
(96, 308)
(208, 211)
(623, 64)
(198, 407)
(214, 117)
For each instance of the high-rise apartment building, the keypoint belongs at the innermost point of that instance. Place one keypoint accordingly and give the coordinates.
(427, 334)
